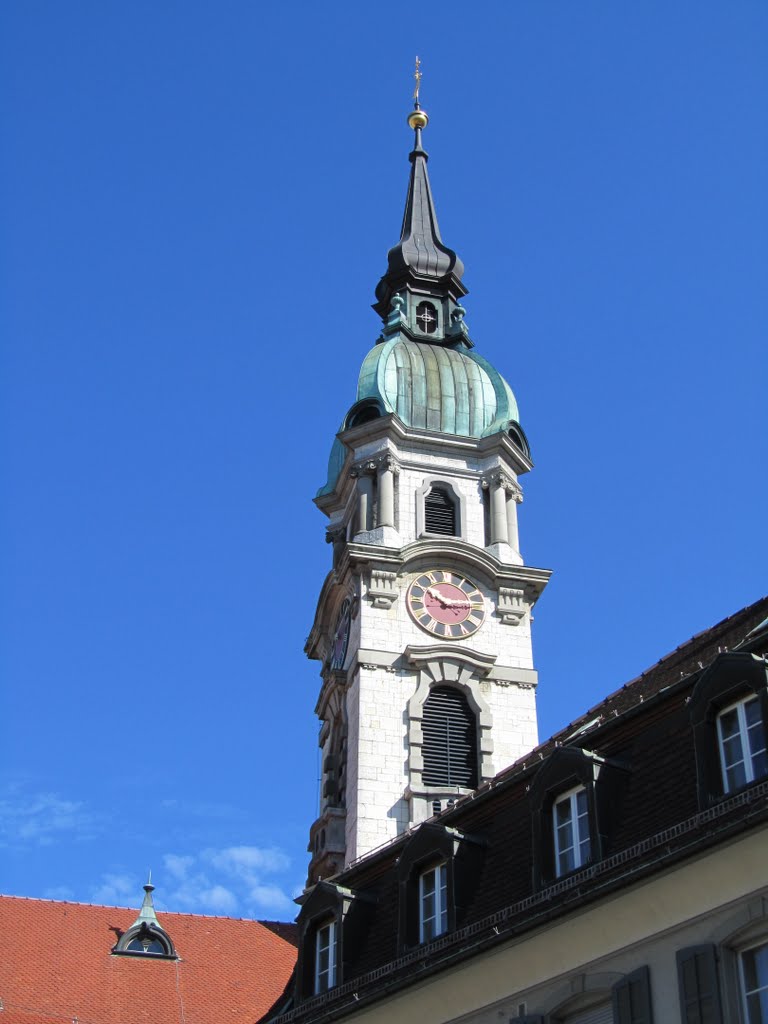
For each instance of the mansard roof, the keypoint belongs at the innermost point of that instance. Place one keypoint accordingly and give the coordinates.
(641, 750)
(58, 964)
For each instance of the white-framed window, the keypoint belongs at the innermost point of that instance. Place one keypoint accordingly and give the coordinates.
(753, 981)
(741, 737)
(570, 815)
(433, 902)
(325, 957)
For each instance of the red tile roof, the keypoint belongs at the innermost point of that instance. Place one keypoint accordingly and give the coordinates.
(56, 965)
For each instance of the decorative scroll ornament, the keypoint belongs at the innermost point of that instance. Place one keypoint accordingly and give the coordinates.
(377, 463)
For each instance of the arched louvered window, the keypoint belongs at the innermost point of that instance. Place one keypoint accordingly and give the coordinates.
(450, 739)
(440, 512)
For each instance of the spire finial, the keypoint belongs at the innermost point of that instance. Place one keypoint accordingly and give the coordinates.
(418, 119)
(417, 76)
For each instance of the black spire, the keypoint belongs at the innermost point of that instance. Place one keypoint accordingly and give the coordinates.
(420, 259)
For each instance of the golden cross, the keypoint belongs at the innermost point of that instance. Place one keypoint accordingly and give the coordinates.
(417, 76)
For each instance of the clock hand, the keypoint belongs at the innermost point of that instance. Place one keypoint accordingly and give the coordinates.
(447, 602)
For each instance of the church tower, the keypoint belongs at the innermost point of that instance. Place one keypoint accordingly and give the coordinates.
(423, 625)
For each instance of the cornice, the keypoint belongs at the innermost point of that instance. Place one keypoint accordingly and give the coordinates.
(392, 427)
(451, 552)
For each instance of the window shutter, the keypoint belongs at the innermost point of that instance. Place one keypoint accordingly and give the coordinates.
(632, 998)
(699, 986)
(439, 512)
(450, 739)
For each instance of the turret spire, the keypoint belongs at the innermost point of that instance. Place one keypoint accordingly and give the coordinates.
(420, 259)
(147, 912)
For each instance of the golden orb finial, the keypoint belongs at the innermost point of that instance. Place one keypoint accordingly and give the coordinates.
(417, 119)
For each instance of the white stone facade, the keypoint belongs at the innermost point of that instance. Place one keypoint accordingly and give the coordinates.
(380, 547)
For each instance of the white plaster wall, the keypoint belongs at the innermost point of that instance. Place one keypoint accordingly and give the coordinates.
(515, 727)
(352, 799)
(377, 770)
(376, 810)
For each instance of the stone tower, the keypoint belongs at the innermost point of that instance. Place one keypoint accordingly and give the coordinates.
(423, 624)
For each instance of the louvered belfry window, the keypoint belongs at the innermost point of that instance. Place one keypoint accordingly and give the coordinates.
(440, 512)
(450, 739)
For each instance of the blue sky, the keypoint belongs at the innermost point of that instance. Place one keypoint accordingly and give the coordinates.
(196, 203)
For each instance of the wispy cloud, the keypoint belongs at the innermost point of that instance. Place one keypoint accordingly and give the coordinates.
(117, 890)
(237, 881)
(229, 880)
(244, 861)
(59, 892)
(38, 819)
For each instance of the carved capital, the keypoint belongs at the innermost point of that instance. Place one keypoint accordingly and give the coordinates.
(364, 468)
(511, 606)
(382, 588)
(498, 478)
(387, 461)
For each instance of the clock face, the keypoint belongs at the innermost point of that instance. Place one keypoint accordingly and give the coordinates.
(341, 634)
(446, 604)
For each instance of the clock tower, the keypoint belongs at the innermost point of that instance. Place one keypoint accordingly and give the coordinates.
(423, 625)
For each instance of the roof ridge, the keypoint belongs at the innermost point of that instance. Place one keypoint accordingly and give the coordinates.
(117, 906)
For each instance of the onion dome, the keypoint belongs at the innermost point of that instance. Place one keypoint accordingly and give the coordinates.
(435, 387)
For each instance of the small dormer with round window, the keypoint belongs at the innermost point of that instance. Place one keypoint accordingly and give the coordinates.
(146, 936)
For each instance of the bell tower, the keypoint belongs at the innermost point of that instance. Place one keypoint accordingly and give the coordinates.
(423, 625)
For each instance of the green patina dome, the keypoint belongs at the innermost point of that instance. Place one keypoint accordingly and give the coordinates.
(449, 390)
(437, 387)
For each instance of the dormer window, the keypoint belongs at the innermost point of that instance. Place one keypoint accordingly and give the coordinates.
(433, 902)
(571, 829)
(437, 873)
(146, 936)
(572, 799)
(325, 957)
(146, 943)
(729, 712)
(426, 317)
(741, 736)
